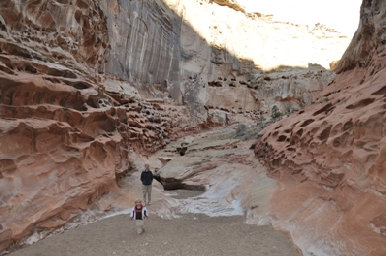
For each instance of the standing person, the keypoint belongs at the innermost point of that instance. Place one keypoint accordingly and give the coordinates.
(139, 213)
(227, 120)
(147, 180)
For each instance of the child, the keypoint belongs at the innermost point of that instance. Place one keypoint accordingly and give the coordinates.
(139, 213)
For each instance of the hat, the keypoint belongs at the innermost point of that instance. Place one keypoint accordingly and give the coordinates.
(138, 201)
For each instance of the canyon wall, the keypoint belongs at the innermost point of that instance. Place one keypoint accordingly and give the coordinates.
(84, 82)
(330, 157)
(241, 66)
(65, 130)
(213, 66)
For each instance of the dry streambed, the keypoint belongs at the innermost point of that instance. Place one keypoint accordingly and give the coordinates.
(189, 235)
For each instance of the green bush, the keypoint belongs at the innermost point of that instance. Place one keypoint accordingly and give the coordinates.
(243, 132)
(240, 130)
(275, 112)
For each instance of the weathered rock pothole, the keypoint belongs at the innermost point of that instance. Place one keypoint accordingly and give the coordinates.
(174, 184)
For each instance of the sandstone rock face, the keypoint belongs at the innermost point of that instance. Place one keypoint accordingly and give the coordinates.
(65, 134)
(84, 82)
(57, 155)
(210, 63)
(57, 30)
(369, 39)
(218, 163)
(330, 157)
(64, 141)
(224, 66)
(163, 49)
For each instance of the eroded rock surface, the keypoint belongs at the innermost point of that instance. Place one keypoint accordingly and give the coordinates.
(213, 65)
(84, 82)
(65, 140)
(65, 135)
(330, 157)
(221, 165)
(226, 67)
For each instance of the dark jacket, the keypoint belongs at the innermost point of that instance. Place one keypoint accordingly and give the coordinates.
(147, 177)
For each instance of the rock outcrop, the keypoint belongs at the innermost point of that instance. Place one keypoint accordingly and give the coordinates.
(211, 63)
(369, 40)
(66, 133)
(224, 66)
(330, 157)
(84, 82)
(64, 140)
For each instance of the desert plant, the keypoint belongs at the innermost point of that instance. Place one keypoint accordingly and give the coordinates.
(240, 130)
(243, 132)
(261, 121)
(275, 112)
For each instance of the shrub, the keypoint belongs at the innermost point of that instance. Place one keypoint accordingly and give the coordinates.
(275, 112)
(240, 130)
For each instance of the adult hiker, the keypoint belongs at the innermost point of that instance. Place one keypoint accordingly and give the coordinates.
(147, 180)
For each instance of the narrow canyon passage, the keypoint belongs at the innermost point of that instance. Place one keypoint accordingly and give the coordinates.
(187, 222)
(266, 136)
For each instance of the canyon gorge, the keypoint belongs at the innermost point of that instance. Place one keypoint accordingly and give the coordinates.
(92, 89)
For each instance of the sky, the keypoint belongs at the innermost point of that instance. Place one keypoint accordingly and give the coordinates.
(341, 15)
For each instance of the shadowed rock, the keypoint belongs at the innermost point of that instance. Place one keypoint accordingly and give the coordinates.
(182, 150)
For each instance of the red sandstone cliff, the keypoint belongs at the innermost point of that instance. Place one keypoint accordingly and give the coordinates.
(65, 133)
(330, 157)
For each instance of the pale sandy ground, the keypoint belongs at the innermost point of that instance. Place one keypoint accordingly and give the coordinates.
(189, 235)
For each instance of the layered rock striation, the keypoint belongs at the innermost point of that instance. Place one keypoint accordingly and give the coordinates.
(210, 63)
(84, 82)
(65, 140)
(224, 66)
(65, 130)
(330, 156)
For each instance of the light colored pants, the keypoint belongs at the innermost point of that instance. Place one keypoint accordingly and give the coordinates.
(146, 190)
(139, 225)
